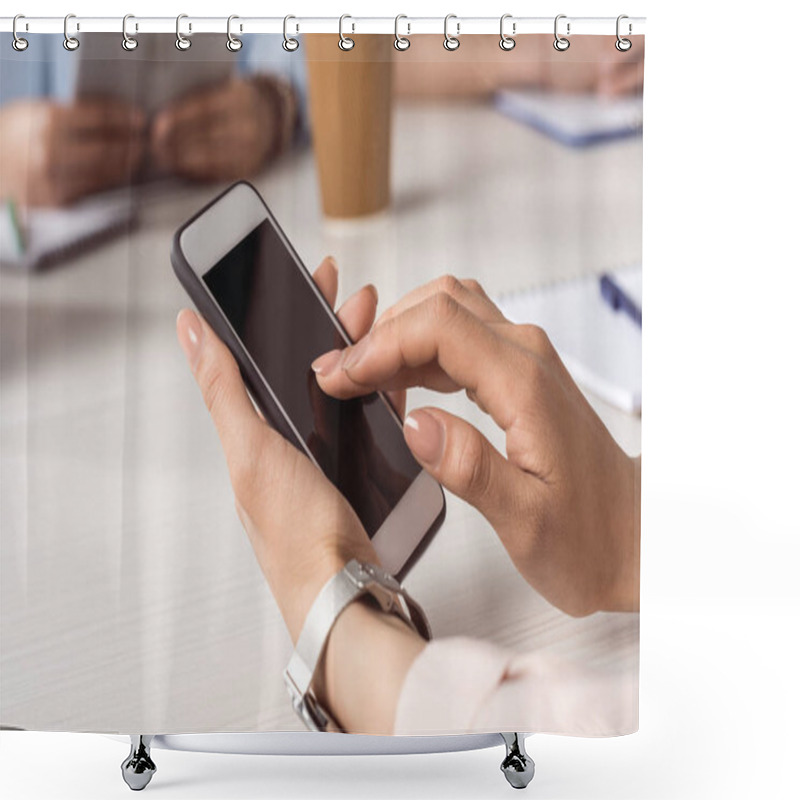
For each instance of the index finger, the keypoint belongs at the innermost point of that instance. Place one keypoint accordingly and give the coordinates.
(467, 291)
(438, 344)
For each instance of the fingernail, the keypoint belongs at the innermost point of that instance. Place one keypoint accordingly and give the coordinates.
(425, 436)
(326, 363)
(334, 264)
(354, 354)
(190, 335)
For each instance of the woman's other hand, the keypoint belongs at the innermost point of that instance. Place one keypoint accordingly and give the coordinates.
(564, 500)
(301, 528)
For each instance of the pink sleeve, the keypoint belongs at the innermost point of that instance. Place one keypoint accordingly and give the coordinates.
(461, 685)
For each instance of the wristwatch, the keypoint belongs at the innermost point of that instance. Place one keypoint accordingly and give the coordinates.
(280, 97)
(352, 582)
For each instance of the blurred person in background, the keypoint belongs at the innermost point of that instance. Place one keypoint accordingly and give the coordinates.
(74, 123)
(57, 145)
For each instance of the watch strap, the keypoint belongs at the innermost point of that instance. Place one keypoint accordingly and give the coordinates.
(352, 582)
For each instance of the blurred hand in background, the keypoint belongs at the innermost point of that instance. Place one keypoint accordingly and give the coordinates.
(224, 132)
(478, 68)
(52, 154)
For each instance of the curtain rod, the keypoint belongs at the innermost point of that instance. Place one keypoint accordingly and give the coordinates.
(459, 26)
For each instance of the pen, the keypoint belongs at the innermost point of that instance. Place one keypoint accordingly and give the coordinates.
(619, 299)
(19, 236)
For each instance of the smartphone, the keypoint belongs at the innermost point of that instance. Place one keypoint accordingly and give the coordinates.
(249, 284)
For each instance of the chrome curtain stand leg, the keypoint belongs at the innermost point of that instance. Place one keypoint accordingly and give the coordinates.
(138, 768)
(517, 766)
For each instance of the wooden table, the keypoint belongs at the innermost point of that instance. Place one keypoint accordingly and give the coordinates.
(131, 601)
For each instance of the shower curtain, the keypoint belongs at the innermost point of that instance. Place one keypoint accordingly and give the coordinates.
(504, 177)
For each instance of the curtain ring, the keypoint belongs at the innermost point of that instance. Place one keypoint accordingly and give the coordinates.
(451, 42)
(70, 42)
(561, 43)
(623, 45)
(181, 42)
(18, 43)
(289, 44)
(233, 44)
(345, 42)
(128, 42)
(507, 42)
(401, 43)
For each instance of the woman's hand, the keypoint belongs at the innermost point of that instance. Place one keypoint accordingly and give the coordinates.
(565, 498)
(223, 132)
(54, 154)
(301, 528)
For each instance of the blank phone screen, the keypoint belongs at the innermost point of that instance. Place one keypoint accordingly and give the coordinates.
(268, 300)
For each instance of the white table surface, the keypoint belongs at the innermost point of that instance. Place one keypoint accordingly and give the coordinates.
(131, 601)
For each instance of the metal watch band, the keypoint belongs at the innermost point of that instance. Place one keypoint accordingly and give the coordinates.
(350, 583)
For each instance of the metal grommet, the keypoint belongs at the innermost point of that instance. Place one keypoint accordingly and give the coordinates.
(451, 42)
(623, 45)
(18, 43)
(506, 42)
(289, 44)
(561, 43)
(128, 42)
(401, 43)
(181, 42)
(345, 42)
(233, 44)
(70, 42)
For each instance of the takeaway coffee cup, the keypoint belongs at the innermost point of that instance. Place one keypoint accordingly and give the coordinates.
(350, 98)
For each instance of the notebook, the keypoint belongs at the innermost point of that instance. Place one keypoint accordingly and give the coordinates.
(31, 239)
(601, 347)
(577, 120)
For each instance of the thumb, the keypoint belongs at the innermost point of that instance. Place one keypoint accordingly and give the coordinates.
(217, 374)
(463, 461)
